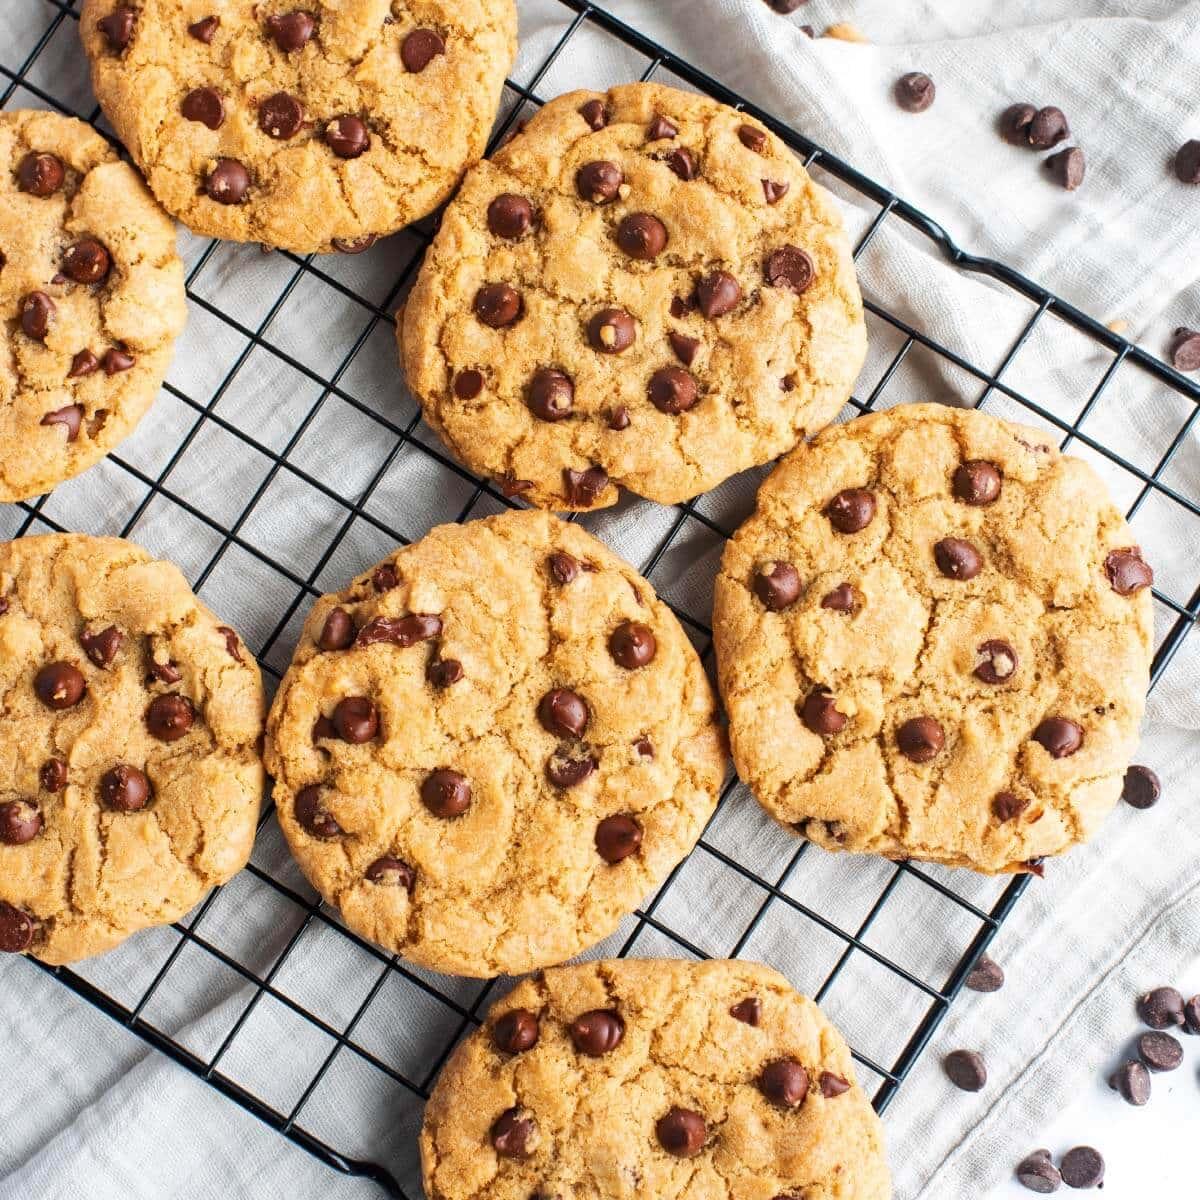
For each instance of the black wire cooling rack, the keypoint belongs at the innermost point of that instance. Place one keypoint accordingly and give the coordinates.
(366, 1033)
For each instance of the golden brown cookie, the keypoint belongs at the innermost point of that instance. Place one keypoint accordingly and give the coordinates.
(311, 126)
(91, 291)
(489, 748)
(129, 745)
(643, 289)
(934, 639)
(653, 1078)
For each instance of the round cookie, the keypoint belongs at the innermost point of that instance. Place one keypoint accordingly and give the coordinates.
(91, 291)
(489, 748)
(934, 639)
(312, 125)
(129, 746)
(653, 1078)
(643, 289)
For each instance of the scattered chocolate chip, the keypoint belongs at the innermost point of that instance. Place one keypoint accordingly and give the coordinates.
(498, 305)
(400, 631)
(1185, 347)
(354, 245)
(844, 599)
(1082, 1168)
(1060, 736)
(1191, 1016)
(1187, 162)
(1160, 1051)
(1132, 1081)
(280, 116)
(389, 871)
(16, 929)
(774, 190)
(1141, 787)
(644, 748)
(672, 390)
(617, 837)
(618, 419)
(1008, 805)
(680, 307)
(87, 261)
(598, 1032)
(595, 114)
(165, 672)
(752, 138)
(59, 685)
(52, 775)
(514, 1133)
(684, 347)
(102, 645)
(356, 720)
(338, 631)
(515, 1031)
(312, 815)
(611, 330)
(420, 48)
(347, 136)
(116, 360)
(1161, 1008)
(84, 363)
(563, 713)
(747, 1011)
(569, 766)
(977, 482)
(833, 1085)
(1127, 571)
(117, 27)
(468, 384)
(986, 976)
(632, 645)
(385, 577)
(323, 729)
(682, 162)
(551, 395)
(40, 174)
(920, 739)
(1015, 122)
(681, 1132)
(563, 567)
(228, 182)
(1038, 1174)
(446, 793)
(583, 488)
(125, 789)
(20, 822)
(914, 92)
(661, 128)
(291, 31)
(784, 1082)
(1035, 866)
(600, 181)
(1047, 128)
(37, 315)
(510, 216)
(443, 672)
(1067, 168)
(997, 661)
(718, 294)
(965, 1069)
(205, 106)
(819, 712)
(777, 585)
(70, 418)
(789, 267)
(642, 236)
(231, 642)
(204, 29)
(169, 717)
(957, 558)
(851, 510)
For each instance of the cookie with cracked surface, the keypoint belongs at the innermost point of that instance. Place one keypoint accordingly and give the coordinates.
(490, 747)
(92, 295)
(653, 1078)
(310, 125)
(933, 640)
(132, 778)
(643, 289)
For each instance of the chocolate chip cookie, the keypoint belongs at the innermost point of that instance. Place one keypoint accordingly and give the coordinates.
(644, 1078)
(91, 291)
(490, 747)
(643, 289)
(311, 126)
(131, 719)
(934, 637)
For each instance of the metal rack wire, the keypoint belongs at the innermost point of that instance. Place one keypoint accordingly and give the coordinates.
(351, 1061)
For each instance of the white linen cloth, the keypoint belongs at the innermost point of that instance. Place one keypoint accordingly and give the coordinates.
(87, 1111)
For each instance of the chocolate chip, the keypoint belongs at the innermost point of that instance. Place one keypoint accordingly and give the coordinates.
(1082, 1168)
(228, 182)
(515, 1031)
(40, 174)
(844, 599)
(595, 114)
(420, 48)
(205, 106)
(914, 92)
(598, 1032)
(1191, 1015)
(70, 418)
(323, 729)
(1047, 128)
(1132, 1081)
(1067, 168)
(1127, 571)
(774, 190)
(16, 929)
(718, 294)
(997, 661)
(356, 720)
(920, 739)
(1161, 1008)
(819, 712)
(204, 29)
(1185, 347)
(1007, 805)
(965, 1069)
(1060, 736)
(1015, 122)
(680, 307)
(84, 363)
(354, 245)
(312, 815)
(117, 27)
(682, 162)
(957, 559)
(468, 384)
(165, 672)
(563, 568)
(115, 361)
(777, 585)
(389, 871)
(986, 976)
(551, 395)
(347, 136)
(443, 672)
(582, 488)
(569, 766)
(852, 510)
(37, 314)
(231, 642)
(833, 1085)
(169, 717)
(52, 775)
(446, 793)
(600, 181)
(977, 482)
(564, 713)
(20, 822)
(510, 216)
(102, 646)
(291, 31)
(1187, 162)
(514, 1133)
(1160, 1051)
(642, 236)
(632, 645)
(611, 330)
(672, 390)
(1038, 1174)
(618, 419)
(338, 631)
(784, 1082)
(685, 347)
(660, 128)
(681, 1132)
(752, 138)
(280, 116)
(644, 748)
(59, 685)
(498, 305)
(385, 577)
(747, 1011)
(1141, 787)
(617, 837)
(86, 262)
(789, 267)
(125, 789)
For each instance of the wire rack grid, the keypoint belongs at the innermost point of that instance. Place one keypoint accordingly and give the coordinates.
(367, 1040)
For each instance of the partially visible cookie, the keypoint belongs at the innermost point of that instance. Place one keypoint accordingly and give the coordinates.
(311, 126)
(490, 747)
(659, 1079)
(934, 639)
(91, 291)
(131, 776)
(643, 289)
